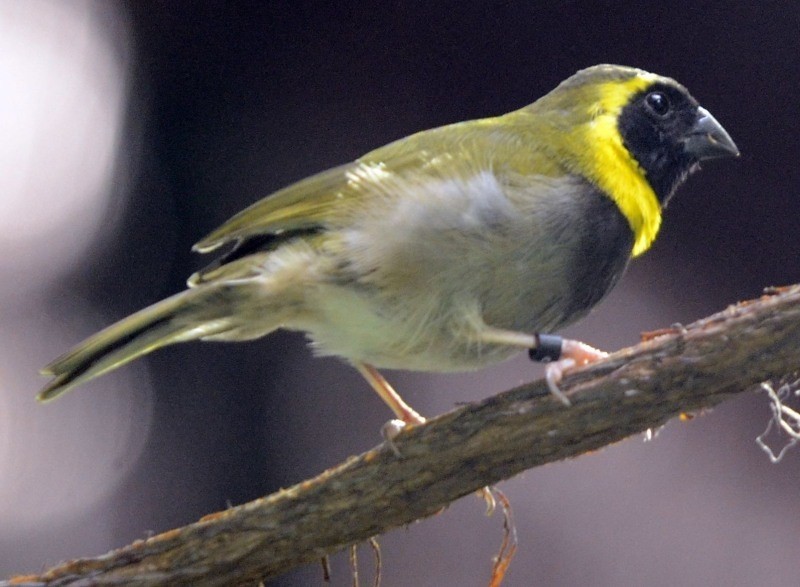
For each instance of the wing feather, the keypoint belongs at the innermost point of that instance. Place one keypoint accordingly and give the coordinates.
(304, 204)
(326, 200)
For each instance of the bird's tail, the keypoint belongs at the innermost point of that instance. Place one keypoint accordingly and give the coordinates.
(211, 312)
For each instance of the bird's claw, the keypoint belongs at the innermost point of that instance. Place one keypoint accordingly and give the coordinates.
(393, 428)
(389, 431)
(573, 354)
(554, 373)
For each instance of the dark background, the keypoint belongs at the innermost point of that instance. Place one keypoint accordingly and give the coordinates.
(228, 102)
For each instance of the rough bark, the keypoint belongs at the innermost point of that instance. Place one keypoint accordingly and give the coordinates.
(673, 371)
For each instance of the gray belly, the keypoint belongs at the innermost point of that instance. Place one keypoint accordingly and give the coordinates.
(560, 277)
(414, 300)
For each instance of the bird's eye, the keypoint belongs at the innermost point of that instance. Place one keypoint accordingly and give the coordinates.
(658, 103)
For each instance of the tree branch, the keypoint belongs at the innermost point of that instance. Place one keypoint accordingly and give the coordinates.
(673, 371)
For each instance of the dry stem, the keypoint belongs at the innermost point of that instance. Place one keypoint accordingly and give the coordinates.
(679, 370)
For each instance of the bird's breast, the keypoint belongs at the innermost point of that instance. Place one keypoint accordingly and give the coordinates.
(415, 282)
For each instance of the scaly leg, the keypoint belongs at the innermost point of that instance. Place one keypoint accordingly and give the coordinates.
(406, 416)
(573, 354)
(560, 354)
(386, 392)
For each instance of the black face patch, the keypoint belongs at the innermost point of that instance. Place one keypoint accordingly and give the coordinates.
(653, 127)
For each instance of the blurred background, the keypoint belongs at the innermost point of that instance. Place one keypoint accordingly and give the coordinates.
(131, 129)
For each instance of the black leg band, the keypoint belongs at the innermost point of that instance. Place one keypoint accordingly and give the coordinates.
(548, 348)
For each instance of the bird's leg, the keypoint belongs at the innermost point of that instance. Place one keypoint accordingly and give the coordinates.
(573, 354)
(560, 354)
(406, 415)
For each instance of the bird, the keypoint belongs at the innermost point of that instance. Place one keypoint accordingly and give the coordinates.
(448, 250)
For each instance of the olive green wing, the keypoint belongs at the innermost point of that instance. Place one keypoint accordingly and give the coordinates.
(328, 199)
(322, 199)
(302, 205)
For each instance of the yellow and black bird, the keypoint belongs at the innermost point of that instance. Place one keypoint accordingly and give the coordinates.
(447, 250)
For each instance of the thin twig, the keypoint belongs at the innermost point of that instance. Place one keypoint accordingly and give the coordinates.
(376, 550)
(354, 563)
(784, 418)
(508, 547)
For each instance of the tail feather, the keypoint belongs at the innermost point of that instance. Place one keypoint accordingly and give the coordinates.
(189, 315)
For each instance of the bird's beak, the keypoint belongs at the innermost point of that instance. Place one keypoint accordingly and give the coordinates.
(708, 140)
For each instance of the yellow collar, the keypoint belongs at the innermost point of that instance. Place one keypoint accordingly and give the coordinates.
(614, 169)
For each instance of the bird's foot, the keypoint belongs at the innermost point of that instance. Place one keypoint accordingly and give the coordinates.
(570, 355)
(393, 428)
